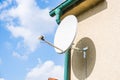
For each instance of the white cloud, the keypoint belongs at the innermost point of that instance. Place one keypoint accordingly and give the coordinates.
(33, 21)
(5, 4)
(17, 55)
(2, 79)
(30, 38)
(44, 71)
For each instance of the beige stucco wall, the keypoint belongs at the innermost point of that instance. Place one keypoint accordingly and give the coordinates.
(102, 25)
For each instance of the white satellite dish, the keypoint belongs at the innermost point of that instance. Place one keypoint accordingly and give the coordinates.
(65, 33)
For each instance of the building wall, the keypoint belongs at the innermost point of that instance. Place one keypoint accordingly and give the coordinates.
(100, 28)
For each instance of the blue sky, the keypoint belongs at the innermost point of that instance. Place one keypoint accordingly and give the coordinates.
(22, 55)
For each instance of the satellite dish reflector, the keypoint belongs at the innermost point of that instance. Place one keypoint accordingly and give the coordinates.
(65, 33)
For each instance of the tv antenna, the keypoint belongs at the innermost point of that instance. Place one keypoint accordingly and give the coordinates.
(65, 34)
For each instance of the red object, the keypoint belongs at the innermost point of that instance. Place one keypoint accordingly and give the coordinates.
(52, 79)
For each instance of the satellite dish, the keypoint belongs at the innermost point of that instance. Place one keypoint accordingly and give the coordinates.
(65, 33)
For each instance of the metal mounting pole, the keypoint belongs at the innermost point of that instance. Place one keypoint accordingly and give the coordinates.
(67, 65)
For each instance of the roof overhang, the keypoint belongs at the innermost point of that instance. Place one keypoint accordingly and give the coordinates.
(73, 7)
(81, 7)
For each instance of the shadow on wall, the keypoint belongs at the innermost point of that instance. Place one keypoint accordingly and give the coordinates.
(92, 11)
(82, 68)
